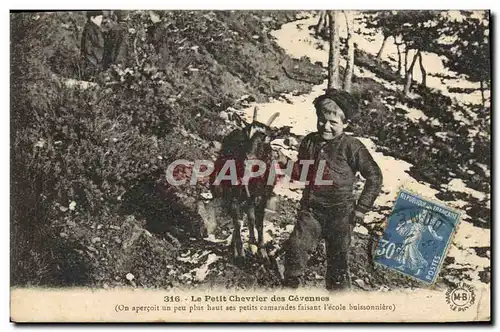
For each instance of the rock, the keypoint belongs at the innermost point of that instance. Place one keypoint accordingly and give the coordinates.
(90, 248)
(129, 276)
(361, 284)
(223, 115)
(63, 235)
(317, 276)
(291, 141)
(217, 145)
(99, 226)
(96, 239)
(133, 235)
(253, 249)
(184, 133)
(114, 227)
(72, 205)
(193, 136)
(173, 240)
(207, 195)
(384, 289)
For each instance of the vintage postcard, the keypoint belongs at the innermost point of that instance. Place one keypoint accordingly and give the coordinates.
(250, 166)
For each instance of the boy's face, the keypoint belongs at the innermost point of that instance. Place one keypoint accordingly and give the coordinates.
(331, 121)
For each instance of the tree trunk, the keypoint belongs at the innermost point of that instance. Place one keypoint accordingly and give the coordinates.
(399, 57)
(321, 22)
(334, 53)
(406, 59)
(483, 99)
(349, 17)
(379, 54)
(409, 74)
(422, 69)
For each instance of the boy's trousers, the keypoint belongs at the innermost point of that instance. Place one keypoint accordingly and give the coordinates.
(335, 225)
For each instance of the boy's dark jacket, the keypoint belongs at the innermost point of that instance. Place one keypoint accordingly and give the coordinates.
(92, 46)
(117, 45)
(344, 156)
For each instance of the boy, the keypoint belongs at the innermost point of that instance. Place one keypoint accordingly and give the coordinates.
(117, 48)
(92, 46)
(329, 211)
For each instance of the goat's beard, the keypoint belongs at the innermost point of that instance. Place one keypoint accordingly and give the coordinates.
(247, 190)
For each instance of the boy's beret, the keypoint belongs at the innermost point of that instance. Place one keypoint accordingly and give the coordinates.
(343, 99)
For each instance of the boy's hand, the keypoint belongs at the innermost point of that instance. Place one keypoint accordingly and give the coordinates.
(359, 217)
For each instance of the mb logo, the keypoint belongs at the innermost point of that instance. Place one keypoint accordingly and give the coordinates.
(461, 297)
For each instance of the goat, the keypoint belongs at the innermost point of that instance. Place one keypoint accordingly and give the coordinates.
(243, 144)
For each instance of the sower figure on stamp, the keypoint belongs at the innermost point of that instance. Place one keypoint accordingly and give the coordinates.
(328, 209)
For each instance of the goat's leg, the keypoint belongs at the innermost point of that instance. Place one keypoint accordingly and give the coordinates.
(251, 223)
(259, 221)
(236, 242)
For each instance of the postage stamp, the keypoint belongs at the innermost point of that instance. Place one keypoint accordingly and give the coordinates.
(417, 237)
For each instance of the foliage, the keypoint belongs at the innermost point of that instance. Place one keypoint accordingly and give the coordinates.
(469, 53)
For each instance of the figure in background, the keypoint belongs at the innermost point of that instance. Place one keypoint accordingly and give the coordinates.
(108, 20)
(92, 46)
(158, 32)
(117, 42)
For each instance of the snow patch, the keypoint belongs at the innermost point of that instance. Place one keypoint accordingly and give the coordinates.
(442, 134)
(202, 271)
(460, 186)
(467, 257)
(413, 114)
(299, 114)
(485, 169)
(469, 235)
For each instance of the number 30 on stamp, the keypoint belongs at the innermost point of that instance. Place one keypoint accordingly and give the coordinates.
(417, 236)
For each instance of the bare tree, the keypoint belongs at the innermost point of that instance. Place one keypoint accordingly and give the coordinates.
(322, 22)
(422, 69)
(334, 52)
(384, 42)
(349, 18)
(400, 55)
(405, 58)
(409, 73)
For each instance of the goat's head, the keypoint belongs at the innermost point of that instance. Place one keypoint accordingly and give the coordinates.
(251, 142)
(259, 136)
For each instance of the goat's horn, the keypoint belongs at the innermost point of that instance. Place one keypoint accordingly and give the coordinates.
(255, 113)
(272, 118)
